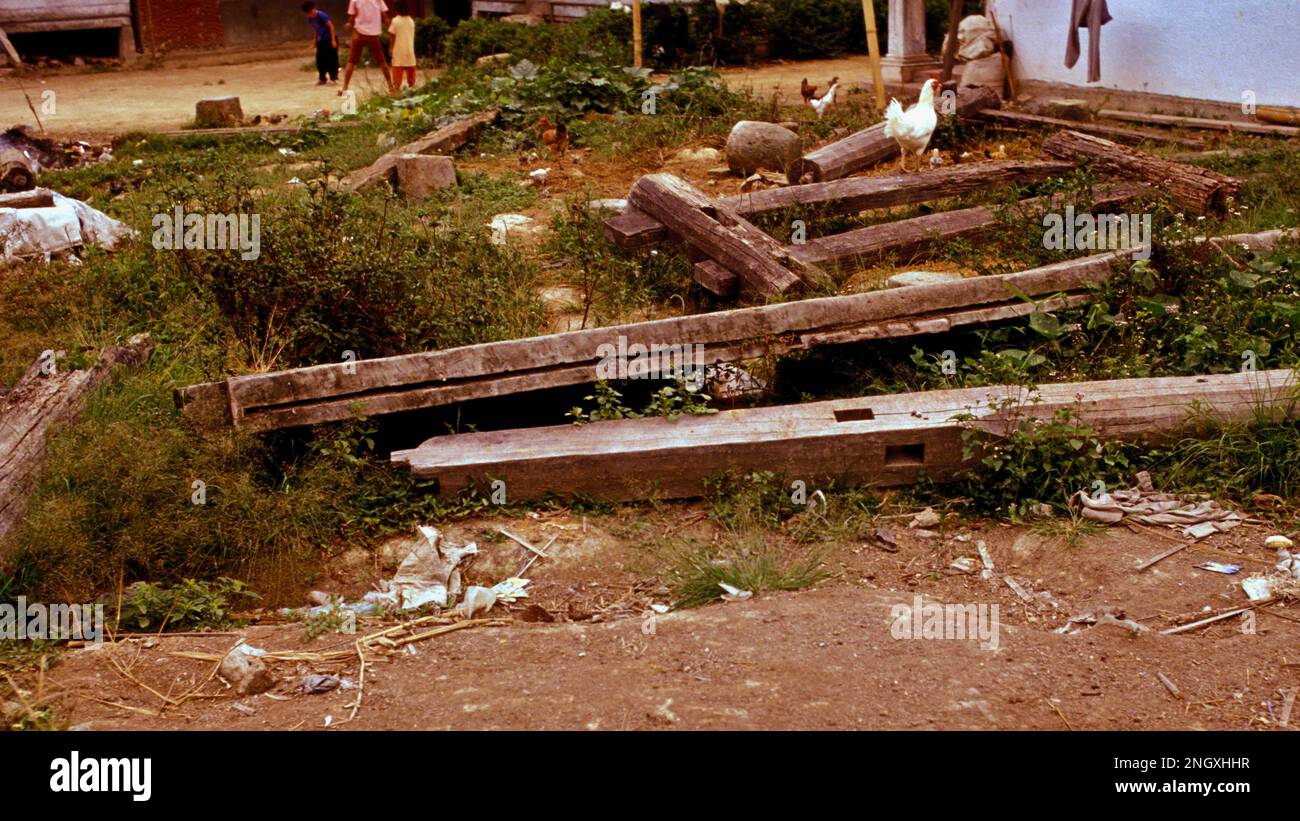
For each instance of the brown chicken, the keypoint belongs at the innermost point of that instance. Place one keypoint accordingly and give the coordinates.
(556, 136)
(806, 91)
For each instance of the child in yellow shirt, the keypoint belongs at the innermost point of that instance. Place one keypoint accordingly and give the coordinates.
(403, 30)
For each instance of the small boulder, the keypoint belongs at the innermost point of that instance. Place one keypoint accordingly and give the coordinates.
(419, 175)
(247, 673)
(753, 145)
(218, 112)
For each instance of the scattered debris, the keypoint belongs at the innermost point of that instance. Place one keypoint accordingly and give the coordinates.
(1196, 518)
(731, 593)
(1219, 567)
(316, 683)
(506, 228)
(61, 229)
(925, 518)
(1106, 615)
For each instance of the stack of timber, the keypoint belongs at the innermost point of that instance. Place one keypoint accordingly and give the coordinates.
(635, 229)
(878, 440)
(1192, 187)
(1200, 122)
(328, 393)
(867, 147)
(442, 141)
(46, 398)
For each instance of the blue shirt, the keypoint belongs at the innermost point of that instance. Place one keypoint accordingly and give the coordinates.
(321, 22)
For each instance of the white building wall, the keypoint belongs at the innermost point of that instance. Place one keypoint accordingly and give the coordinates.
(1203, 49)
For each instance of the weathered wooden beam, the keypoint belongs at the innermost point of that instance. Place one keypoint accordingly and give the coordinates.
(1200, 122)
(760, 262)
(877, 440)
(864, 246)
(35, 198)
(851, 195)
(45, 399)
(444, 140)
(870, 146)
(1131, 136)
(1193, 187)
(329, 393)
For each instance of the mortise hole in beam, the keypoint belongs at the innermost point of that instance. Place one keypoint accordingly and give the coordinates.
(904, 455)
(854, 415)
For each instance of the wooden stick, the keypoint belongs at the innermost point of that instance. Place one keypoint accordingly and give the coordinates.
(521, 541)
(1212, 619)
(950, 44)
(1006, 60)
(873, 49)
(636, 33)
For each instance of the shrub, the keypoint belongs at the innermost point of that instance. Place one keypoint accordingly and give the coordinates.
(808, 29)
(430, 32)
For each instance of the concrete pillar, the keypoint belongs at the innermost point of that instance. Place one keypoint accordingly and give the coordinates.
(906, 57)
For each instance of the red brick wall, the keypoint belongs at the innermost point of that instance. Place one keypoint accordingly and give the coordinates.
(170, 25)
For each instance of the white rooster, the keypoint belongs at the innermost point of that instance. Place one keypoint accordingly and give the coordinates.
(912, 128)
(826, 101)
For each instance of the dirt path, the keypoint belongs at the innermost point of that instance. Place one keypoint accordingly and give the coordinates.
(821, 658)
(100, 103)
(112, 102)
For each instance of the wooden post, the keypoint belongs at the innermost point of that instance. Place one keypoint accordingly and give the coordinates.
(950, 45)
(873, 49)
(636, 33)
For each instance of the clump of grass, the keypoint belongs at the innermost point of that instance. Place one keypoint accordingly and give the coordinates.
(750, 561)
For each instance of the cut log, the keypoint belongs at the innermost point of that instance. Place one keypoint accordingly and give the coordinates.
(327, 393)
(721, 234)
(865, 246)
(877, 440)
(36, 198)
(1198, 189)
(443, 141)
(44, 400)
(1200, 122)
(1131, 136)
(16, 172)
(870, 146)
(851, 195)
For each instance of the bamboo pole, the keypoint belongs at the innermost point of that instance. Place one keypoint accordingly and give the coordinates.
(873, 49)
(636, 33)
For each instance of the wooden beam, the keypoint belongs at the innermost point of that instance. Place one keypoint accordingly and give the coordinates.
(1132, 136)
(1192, 187)
(950, 40)
(10, 51)
(877, 440)
(43, 401)
(329, 393)
(869, 146)
(865, 246)
(1200, 122)
(763, 265)
(634, 228)
(35, 198)
(444, 140)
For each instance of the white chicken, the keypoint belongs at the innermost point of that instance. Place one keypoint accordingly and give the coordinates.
(912, 128)
(826, 101)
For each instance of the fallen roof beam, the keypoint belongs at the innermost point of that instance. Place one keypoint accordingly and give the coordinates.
(1191, 186)
(445, 139)
(634, 228)
(864, 246)
(1200, 122)
(877, 440)
(329, 393)
(1132, 136)
(761, 263)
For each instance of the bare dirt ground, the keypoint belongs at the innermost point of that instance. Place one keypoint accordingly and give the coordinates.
(818, 658)
(162, 96)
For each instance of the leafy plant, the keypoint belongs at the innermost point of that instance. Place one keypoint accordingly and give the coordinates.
(190, 605)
